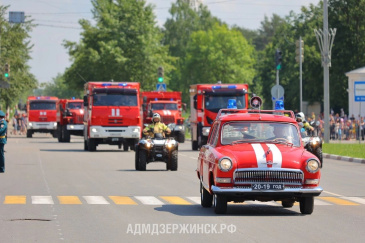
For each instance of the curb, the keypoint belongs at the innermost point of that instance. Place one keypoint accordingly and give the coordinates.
(344, 158)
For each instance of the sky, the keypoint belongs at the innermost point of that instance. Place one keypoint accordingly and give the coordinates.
(57, 20)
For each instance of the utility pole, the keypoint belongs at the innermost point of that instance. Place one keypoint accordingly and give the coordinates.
(299, 58)
(325, 40)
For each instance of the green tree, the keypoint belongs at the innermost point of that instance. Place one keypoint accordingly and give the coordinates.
(219, 54)
(59, 89)
(348, 49)
(15, 50)
(124, 45)
(178, 29)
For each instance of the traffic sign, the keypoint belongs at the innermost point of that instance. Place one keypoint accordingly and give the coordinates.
(277, 91)
(161, 87)
(359, 91)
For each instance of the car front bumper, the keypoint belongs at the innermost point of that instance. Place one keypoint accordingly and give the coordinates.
(249, 193)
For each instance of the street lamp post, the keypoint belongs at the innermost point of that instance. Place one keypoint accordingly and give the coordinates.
(325, 40)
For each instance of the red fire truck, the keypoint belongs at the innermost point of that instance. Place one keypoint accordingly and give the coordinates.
(112, 114)
(41, 115)
(169, 106)
(205, 102)
(70, 119)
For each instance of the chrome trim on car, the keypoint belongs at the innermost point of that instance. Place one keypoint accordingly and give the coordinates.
(268, 175)
(248, 191)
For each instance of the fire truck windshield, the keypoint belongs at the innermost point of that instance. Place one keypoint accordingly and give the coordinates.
(216, 102)
(74, 105)
(42, 105)
(164, 106)
(114, 99)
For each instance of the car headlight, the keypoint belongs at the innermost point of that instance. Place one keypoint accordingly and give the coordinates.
(225, 164)
(94, 129)
(55, 124)
(148, 144)
(72, 127)
(136, 130)
(30, 124)
(312, 165)
(206, 131)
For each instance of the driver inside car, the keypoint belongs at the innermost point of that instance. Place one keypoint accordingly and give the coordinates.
(156, 127)
(281, 132)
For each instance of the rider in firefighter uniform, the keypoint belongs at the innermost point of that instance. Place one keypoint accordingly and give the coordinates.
(3, 130)
(156, 127)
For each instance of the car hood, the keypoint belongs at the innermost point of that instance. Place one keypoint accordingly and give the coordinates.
(264, 155)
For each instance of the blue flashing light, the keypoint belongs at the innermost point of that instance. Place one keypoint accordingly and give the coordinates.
(38, 98)
(232, 104)
(279, 105)
(123, 84)
(73, 98)
(156, 99)
(232, 86)
(216, 87)
(106, 85)
(172, 99)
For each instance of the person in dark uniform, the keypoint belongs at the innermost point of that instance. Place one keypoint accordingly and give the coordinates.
(3, 130)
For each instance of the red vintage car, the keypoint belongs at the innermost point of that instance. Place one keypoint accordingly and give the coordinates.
(257, 155)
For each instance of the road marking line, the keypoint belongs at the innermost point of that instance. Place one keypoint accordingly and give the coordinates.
(196, 200)
(15, 200)
(95, 200)
(123, 200)
(338, 201)
(318, 202)
(42, 200)
(175, 200)
(262, 203)
(69, 200)
(149, 200)
(355, 199)
(334, 194)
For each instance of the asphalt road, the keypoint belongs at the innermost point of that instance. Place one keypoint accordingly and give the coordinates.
(56, 192)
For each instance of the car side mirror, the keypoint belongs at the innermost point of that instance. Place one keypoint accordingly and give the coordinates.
(85, 100)
(195, 102)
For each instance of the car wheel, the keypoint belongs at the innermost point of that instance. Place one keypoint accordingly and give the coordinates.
(206, 199)
(29, 134)
(66, 135)
(194, 145)
(59, 134)
(306, 205)
(181, 137)
(86, 148)
(125, 146)
(54, 134)
(136, 157)
(220, 204)
(91, 144)
(142, 162)
(287, 204)
(173, 161)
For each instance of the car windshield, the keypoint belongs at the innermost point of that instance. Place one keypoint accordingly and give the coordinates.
(75, 105)
(164, 106)
(258, 131)
(42, 105)
(115, 99)
(214, 102)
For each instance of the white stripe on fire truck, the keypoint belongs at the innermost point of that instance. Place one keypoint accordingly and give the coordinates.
(113, 112)
(276, 156)
(118, 112)
(260, 155)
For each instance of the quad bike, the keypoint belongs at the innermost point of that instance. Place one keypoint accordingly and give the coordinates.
(157, 149)
(313, 145)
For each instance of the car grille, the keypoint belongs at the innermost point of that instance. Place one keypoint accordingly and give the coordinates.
(287, 177)
(167, 119)
(79, 119)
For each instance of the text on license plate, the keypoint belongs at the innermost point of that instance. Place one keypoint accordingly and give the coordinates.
(267, 186)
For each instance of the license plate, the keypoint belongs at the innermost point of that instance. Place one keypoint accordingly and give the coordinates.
(115, 139)
(267, 186)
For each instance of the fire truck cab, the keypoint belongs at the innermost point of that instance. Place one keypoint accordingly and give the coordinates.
(70, 119)
(112, 114)
(205, 102)
(41, 115)
(169, 106)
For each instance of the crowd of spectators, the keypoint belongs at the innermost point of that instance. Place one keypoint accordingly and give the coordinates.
(342, 127)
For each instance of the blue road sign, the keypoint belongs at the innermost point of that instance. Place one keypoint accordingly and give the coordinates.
(161, 87)
(359, 91)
